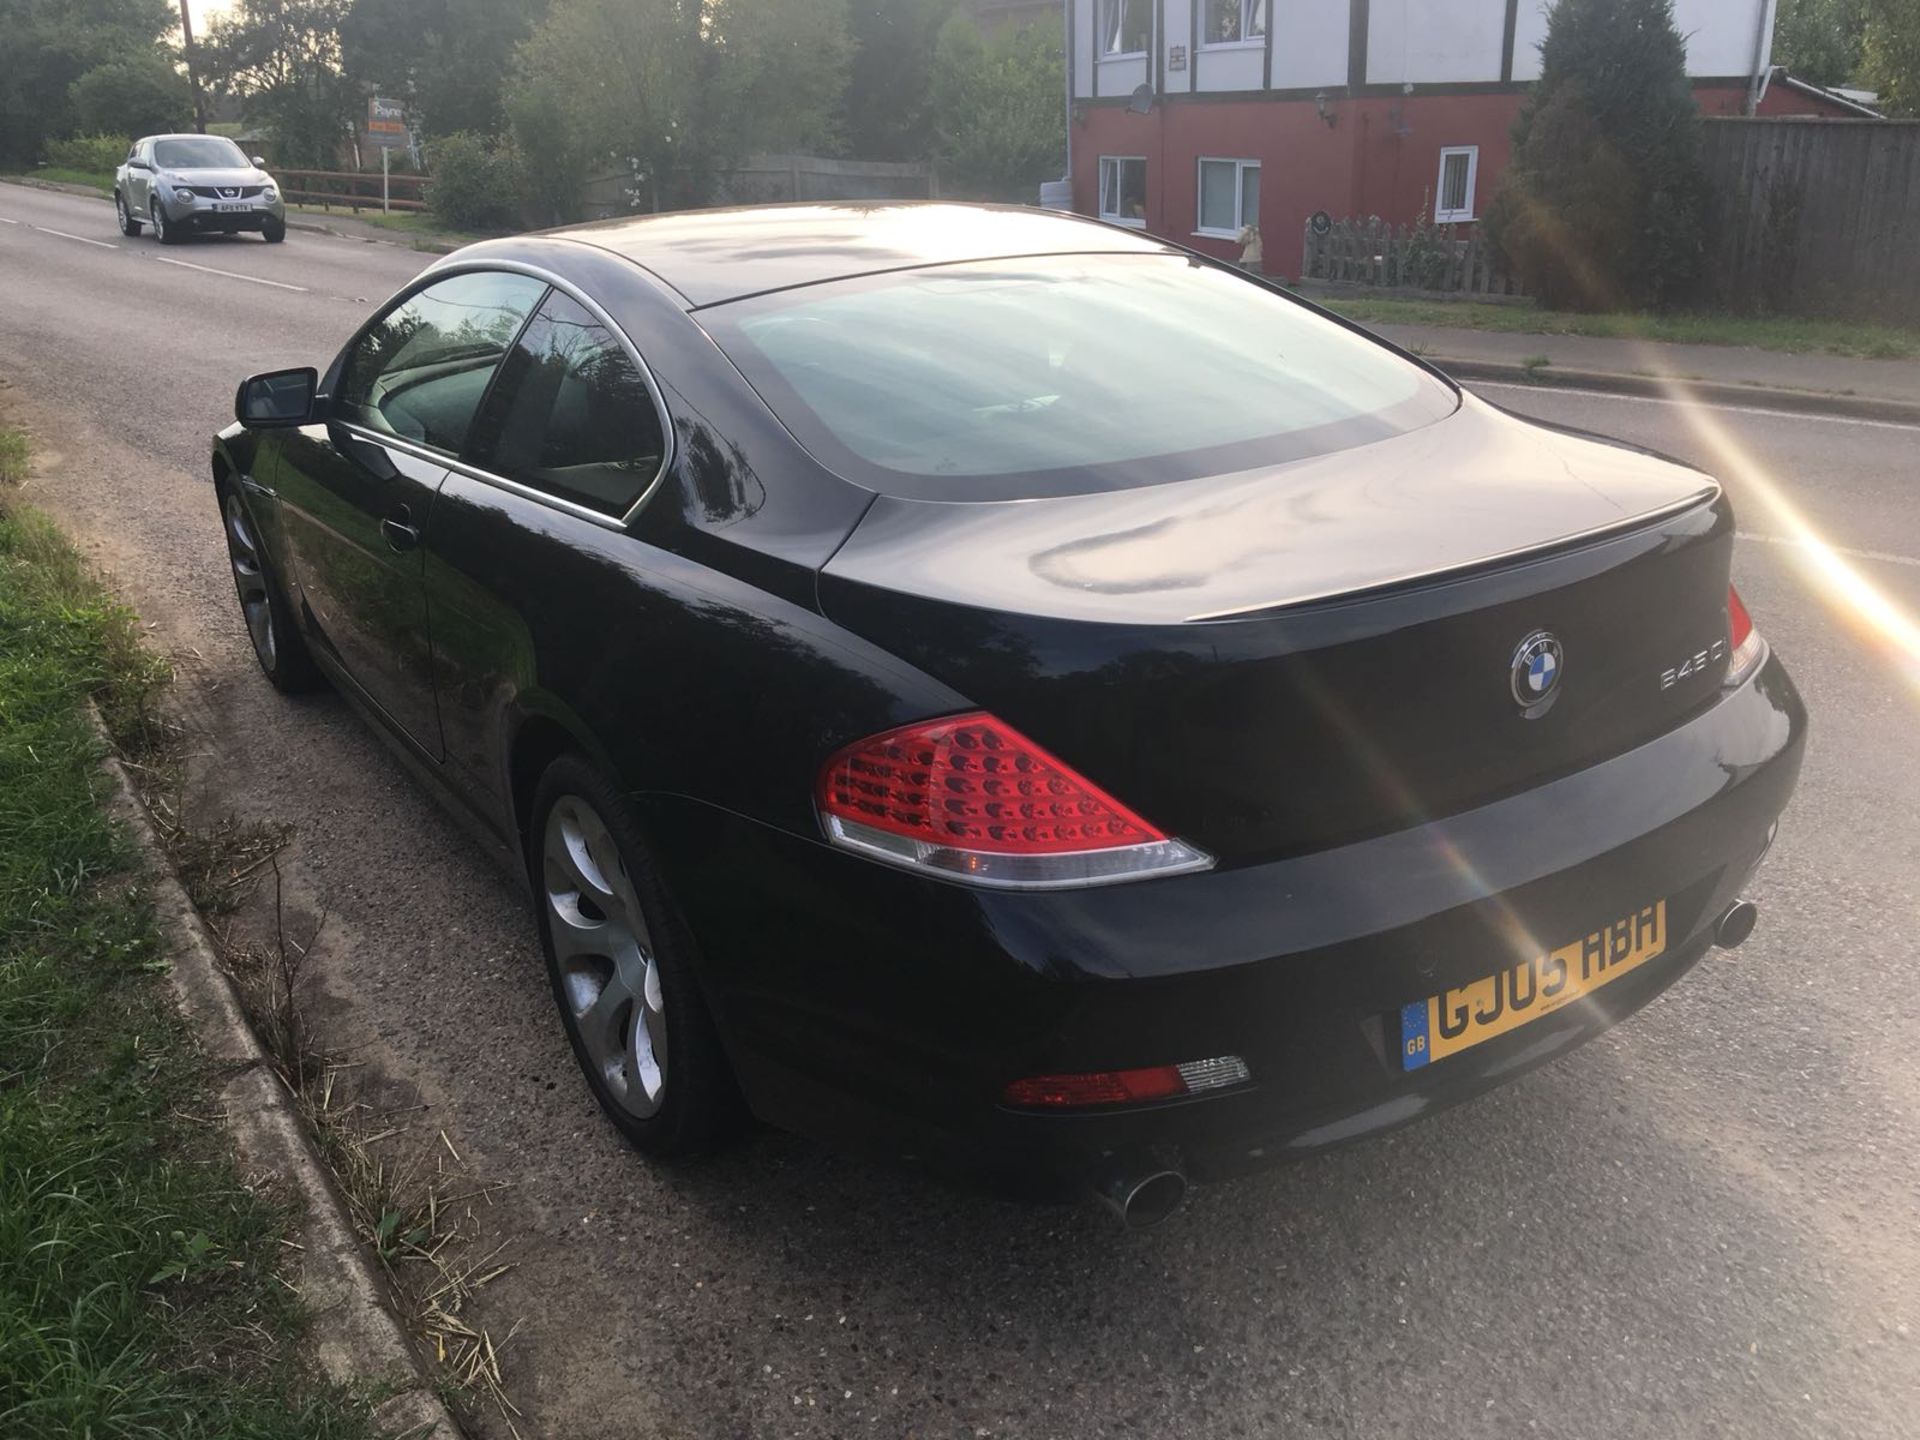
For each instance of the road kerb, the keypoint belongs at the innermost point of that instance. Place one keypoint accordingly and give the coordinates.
(355, 1338)
(1658, 387)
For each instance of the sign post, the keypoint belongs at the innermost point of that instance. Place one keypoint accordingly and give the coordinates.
(386, 128)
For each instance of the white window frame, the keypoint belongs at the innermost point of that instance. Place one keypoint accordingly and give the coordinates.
(1245, 41)
(1240, 168)
(1138, 222)
(1112, 14)
(1456, 217)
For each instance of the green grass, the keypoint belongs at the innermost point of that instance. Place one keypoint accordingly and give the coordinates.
(417, 224)
(1785, 333)
(139, 1288)
(101, 180)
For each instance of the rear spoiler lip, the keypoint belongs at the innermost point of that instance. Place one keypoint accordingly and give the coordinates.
(1546, 550)
(1706, 495)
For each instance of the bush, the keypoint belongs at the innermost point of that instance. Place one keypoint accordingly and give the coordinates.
(476, 183)
(89, 152)
(135, 95)
(1604, 204)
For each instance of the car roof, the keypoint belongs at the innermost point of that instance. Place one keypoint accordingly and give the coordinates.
(710, 256)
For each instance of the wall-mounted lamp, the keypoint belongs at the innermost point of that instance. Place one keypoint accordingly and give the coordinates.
(1324, 109)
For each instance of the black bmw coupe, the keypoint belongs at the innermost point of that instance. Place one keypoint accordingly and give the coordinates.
(1006, 692)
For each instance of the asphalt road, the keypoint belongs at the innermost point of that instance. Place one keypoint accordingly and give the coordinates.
(1705, 1223)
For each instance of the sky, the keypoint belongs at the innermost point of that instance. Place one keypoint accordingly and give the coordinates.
(203, 12)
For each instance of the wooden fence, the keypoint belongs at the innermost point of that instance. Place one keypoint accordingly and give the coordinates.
(766, 179)
(354, 190)
(1816, 217)
(1405, 257)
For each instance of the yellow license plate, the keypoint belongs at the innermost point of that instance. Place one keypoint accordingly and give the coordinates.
(1456, 1020)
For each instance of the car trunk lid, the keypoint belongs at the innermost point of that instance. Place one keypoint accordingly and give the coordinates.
(1273, 662)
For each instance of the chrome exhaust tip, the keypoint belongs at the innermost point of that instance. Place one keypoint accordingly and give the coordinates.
(1736, 925)
(1141, 1196)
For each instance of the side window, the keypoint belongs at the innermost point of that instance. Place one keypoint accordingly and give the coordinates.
(571, 415)
(419, 374)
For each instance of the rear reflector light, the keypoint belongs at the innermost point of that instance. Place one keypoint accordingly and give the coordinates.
(1125, 1087)
(1747, 646)
(971, 798)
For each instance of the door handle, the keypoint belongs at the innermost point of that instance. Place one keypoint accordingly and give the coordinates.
(402, 535)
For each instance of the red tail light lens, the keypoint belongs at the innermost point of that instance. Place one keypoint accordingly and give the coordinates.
(971, 797)
(1125, 1087)
(1747, 646)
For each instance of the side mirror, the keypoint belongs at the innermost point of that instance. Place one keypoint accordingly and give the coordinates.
(138, 165)
(261, 161)
(278, 398)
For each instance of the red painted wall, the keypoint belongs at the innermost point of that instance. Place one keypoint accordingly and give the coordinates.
(1380, 157)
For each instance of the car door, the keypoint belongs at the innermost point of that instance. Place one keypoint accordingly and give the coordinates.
(139, 185)
(357, 490)
(572, 438)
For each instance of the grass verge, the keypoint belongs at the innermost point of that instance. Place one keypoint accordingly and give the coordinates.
(101, 180)
(414, 224)
(141, 1292)
(1778, 332)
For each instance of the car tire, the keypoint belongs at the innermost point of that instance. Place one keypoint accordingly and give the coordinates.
(622, 968)
(277, 642)
(275, 231)
(165, 233)
(128, 225)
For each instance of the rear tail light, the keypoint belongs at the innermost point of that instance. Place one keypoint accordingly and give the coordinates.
(1747, 646)
(971, 798)
(1125, 1087)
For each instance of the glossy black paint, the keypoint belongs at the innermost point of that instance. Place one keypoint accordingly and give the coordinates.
(1303, 671)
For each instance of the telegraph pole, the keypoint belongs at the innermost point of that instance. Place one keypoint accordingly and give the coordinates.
(193, 71)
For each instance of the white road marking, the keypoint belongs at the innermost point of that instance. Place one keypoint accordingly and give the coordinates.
(1708, 404)
(230, 274)
(1883, 556)
(5, 221)
(104, 245)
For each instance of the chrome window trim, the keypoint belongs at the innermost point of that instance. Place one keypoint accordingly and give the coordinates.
(432, 275)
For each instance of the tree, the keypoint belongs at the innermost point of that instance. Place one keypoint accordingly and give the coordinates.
(998, 119)
(282, 59)
(1820, 40)
(1890, 60)
(49, 45)
(1604, 203)
(677, 89)
(889, 104)
(136, 95)
(449, 59)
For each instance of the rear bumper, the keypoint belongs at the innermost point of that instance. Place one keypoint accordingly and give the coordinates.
(877, 1010)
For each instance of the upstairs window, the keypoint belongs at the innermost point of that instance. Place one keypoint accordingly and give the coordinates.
(1123, 189)
(1453, 195)
(1126, 27)
(1234, 22)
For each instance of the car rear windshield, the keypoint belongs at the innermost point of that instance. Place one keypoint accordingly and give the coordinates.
(199, 152)
(1064, 374)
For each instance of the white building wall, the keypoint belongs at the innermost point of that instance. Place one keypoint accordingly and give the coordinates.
(1231, 67)
(1082, 46)
(1431, 42)
(1310, 43)
(1179, 31)
(1529, 29)
(1424, 42)
(1719, 36)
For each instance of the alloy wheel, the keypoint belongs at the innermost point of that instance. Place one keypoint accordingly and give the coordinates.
(159, 221)
(249, 579)
(610, 978)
